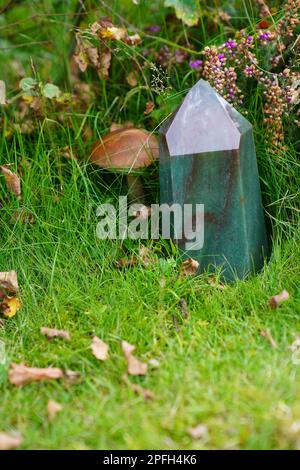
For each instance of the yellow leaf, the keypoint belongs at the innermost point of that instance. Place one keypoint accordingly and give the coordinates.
(9, 306)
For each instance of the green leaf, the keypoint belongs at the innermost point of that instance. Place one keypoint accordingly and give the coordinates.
(186, 10)
(50, 91)
(27, 84)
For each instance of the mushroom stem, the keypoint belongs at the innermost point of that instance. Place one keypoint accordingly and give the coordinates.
(135, 189)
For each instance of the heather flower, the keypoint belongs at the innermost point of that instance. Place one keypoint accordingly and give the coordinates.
(249, 70)
(195, 64)
(231, 44)
(153, 28)
(265, 36)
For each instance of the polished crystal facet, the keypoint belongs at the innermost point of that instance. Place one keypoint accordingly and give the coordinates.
(207, 156)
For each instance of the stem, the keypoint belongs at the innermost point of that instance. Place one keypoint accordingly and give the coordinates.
(135, 189)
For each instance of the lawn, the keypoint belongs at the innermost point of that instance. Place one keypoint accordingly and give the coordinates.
(213, 366)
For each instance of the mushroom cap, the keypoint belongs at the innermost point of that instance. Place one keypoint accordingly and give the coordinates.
(125, 149)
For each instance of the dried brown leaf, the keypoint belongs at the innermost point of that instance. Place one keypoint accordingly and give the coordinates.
(12, 180)
(132, 79)
(149, 107)
(9, 306)
(100, 349)
(19, 374)
(53, 333)
(133, 40)
(93, 56)
(114, 33)
(80, 56)
(53, 408)
(9, 281)
(135, 366)
(276, 300)
(213, 283)
(266, 334)
(127, 348)
(9, 441)
(198, 431)
(104, 63)
(143, 392)
(189, 267)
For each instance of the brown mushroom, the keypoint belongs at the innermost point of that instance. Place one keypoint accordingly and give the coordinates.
(128, 151)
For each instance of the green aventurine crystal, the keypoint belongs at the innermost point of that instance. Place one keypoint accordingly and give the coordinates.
(207, 156)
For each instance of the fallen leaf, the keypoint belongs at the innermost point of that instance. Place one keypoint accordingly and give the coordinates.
(132, 79)
(135, 366)
(149, 107)
(113, 32)
(266, 334)
(198, 431)
(80, 56)
(213, 283)
(93, 55)
(146, 394)
(72, 377)
(104, 64)
(9, 306)
(183, 308)
(134, 39)
(9, 441)
(53, 408)
(105, 29)
(189, 267)
(2, 92)
(53, 333)
(127, 348)
(19, 374)
(9, 281)
(276, 300)
(100, 349)
(224, 16)
(12, 180)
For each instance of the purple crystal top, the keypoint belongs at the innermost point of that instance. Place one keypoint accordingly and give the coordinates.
(203, 124)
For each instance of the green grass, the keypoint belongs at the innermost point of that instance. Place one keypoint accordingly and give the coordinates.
(215, 368)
